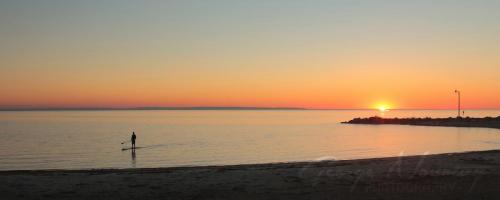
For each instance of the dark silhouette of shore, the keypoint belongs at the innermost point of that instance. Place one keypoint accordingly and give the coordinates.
(486, 122)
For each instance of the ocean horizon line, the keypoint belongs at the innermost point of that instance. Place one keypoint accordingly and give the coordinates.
(208, 108)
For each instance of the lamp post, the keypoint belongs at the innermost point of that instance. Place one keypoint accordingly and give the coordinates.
(458, 108)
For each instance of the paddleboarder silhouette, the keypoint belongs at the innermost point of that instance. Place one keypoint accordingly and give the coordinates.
(132, 139)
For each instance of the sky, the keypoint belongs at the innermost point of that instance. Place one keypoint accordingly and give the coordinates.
(343, 54)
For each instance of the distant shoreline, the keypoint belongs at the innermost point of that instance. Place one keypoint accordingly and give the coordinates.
(151, 108)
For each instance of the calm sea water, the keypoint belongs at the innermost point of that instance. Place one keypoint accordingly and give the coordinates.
(92, 139)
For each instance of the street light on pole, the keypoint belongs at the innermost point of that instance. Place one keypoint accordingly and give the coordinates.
(458, 108)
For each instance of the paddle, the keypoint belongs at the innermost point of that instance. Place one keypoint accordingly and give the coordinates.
(126, 141)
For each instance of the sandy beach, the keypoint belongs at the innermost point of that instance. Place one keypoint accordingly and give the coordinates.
(472, 175)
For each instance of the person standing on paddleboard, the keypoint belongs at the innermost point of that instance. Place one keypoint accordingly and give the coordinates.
(133, 140)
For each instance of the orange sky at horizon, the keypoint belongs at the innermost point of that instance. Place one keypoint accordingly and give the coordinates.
(328, 54)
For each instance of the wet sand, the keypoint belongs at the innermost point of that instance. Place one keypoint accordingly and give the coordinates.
(473, 175)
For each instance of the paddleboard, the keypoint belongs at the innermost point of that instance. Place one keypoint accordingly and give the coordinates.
(130, 148)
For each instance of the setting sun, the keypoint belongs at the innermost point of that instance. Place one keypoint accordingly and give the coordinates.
(382, 108)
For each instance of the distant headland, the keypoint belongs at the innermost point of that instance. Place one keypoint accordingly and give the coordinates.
(485, 122)
(145, 108)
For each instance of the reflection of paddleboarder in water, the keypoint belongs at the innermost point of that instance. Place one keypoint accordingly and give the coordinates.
(133, 140)
(133, 158)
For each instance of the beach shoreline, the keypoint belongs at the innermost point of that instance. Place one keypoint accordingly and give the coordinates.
(468, 175)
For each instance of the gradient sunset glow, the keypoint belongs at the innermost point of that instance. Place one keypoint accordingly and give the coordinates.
(326, 54)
